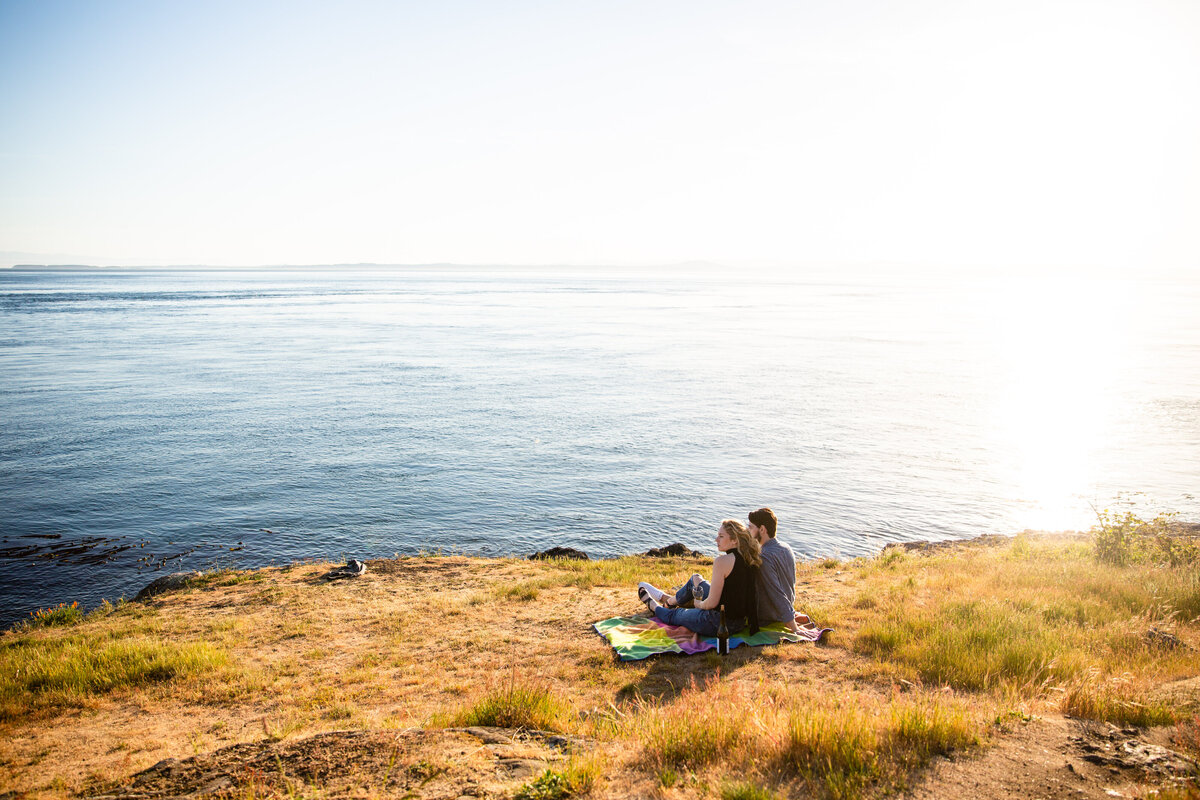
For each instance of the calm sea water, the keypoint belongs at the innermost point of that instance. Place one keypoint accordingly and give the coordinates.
(157, 421)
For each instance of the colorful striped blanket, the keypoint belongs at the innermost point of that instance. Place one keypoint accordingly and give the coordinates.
(635, 638)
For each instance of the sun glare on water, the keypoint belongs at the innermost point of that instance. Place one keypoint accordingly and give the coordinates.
(1062, 345)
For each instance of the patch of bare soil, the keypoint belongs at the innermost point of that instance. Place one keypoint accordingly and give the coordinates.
(1057, 757)
(472, 762)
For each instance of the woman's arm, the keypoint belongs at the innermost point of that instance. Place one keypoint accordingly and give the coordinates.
(722, 566)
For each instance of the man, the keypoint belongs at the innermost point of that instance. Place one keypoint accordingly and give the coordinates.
(777, 575)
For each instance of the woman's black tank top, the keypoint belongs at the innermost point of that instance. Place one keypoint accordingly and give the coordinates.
(739, 595)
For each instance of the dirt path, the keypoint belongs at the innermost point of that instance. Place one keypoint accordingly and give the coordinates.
(1055, 758)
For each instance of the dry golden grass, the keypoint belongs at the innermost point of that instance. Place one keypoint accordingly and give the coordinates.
(927, 653)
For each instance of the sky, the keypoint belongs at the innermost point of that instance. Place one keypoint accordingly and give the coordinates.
(1005, 134)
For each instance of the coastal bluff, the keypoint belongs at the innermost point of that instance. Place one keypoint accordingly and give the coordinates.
(449, 676)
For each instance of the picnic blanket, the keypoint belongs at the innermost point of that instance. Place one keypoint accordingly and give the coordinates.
(635, 638)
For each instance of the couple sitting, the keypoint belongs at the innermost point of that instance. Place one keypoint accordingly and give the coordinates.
(754, 578)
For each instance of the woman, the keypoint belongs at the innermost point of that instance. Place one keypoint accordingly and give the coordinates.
(733, 580)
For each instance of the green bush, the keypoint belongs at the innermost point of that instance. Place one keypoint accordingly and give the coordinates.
(1122, 539)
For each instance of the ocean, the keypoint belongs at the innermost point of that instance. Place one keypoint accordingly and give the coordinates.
(156, 421)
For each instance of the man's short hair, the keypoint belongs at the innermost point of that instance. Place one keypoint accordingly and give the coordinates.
(765, 518)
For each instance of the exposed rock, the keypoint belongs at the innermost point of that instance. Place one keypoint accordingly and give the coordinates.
(676, 550)
(217, 784)
(520, 767)
(1118, 750)
(490, 735)
(1164, 639)
(925, 548)
(167, 583)
(560, 552)
(561, 742)
(167, 766)
(435, 763)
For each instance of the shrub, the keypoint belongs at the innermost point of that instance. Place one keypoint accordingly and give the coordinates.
(1126, 538)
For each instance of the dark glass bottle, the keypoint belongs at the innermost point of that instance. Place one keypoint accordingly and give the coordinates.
(723, 634)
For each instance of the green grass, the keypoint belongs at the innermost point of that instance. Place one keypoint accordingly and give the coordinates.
(66, 671)
(975, 645)
(1028, 620)
(835, 749)
(528, 706)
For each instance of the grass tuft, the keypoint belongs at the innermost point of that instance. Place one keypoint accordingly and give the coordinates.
(1113, 701)
(844, 750)
(689, 733)
(521, 592)
(60, 615)
(528, 706)
(550, 785)
(835, 748)
(744, 790)
(577, 778)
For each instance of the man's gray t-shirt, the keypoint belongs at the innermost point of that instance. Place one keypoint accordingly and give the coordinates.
(776, 583)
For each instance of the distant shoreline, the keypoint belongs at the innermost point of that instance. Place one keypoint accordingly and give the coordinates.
(689, 265)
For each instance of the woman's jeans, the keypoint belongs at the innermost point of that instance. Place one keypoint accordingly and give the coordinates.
(703, 621)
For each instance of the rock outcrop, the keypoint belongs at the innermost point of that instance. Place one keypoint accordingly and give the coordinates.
(675, 550)
(560, 552)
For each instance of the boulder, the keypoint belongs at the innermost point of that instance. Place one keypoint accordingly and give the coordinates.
(676, 550)
(560, 552)
(167, 583)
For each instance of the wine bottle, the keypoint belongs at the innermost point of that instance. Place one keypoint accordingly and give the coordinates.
(723, 634)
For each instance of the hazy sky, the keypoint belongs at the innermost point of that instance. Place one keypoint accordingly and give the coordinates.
(955, 132)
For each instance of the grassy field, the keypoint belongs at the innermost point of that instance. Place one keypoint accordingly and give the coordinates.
(933, 655)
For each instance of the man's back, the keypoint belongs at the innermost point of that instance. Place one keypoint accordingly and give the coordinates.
(776, 583)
